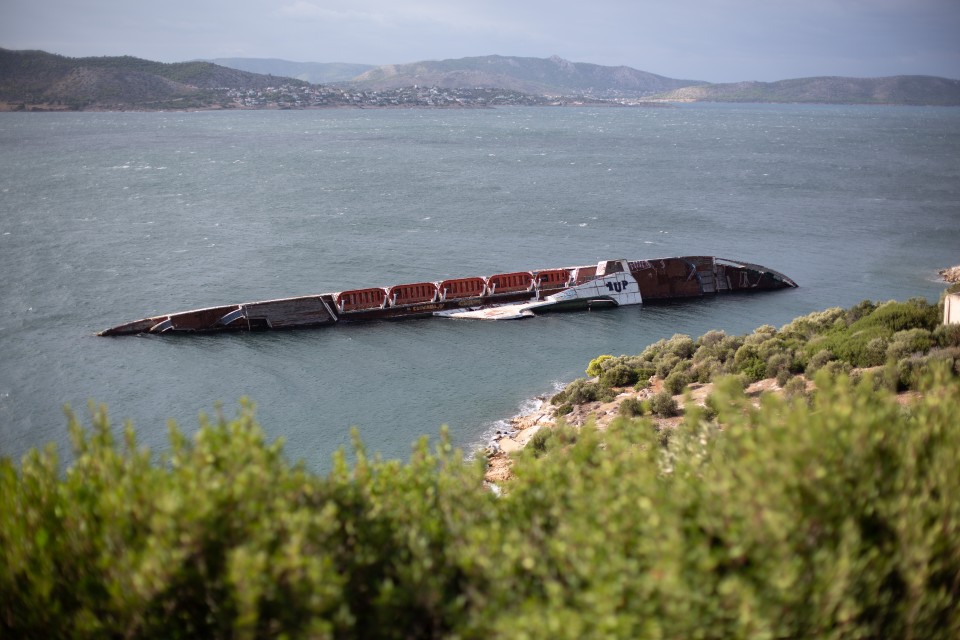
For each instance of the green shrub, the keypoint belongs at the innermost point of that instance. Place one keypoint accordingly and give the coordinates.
(916, 313)
(606, 394)
(580, 391)
(947, 335)
(663, 404)
(783, 376)
(909, 372)
(619, 375)
(710, 339)
(761, 334)
(778, 365)
(222, 538)
(875, 352)
(676, 382)
(704, 370)
(859, 336)
(849, 345)
(538, 443)
(728, 348)
(819, 360)
(666, 364)
(549, 441)
(836, 368)
(680, 345)
(700, 415)
(772, 347)
(908, 342)
(860, 310)
(912, 369)
(631, 407)
(795, 387)
(748, 362)
(948, 357)
(832, 517)
(806, 327)
(596, 365)
(837, 519)
(655, 351)
(646, 372)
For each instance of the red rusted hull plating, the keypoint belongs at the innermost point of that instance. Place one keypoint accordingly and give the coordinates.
(656, 280)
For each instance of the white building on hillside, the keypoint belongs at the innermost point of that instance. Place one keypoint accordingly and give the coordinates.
(951, 309)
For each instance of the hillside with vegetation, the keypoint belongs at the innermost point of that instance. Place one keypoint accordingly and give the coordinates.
(832, 512)
(40, 81)
(901, 90)
(894, 343)
(312, 72)
(39, 78)
(552, 76)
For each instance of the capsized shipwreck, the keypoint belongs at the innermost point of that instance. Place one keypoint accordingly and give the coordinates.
(501, 296)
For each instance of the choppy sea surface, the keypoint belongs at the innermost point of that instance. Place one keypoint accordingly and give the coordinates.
(110, 217)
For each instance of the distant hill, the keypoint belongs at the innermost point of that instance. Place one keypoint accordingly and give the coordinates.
(31, 80)
(312, 72)
(544, 76)
(903, 90)
(40, 78)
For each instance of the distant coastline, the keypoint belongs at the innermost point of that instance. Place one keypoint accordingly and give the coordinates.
(45, 82)
(6, 107)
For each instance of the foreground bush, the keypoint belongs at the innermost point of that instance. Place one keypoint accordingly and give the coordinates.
(836, 520)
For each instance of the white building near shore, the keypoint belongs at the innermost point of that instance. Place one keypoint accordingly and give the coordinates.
(951, 309)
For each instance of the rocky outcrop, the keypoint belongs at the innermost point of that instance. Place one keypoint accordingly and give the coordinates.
(951, 275)
(523, 427)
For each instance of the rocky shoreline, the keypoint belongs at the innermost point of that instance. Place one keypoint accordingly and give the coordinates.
(951, 274)
(526, 425)
(507, 442)
(523, 427)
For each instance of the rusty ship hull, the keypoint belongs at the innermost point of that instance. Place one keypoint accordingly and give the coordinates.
(499, 296)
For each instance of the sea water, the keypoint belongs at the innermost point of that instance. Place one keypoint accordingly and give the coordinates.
(111, 217)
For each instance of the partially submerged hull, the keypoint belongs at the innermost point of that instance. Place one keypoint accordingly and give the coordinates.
(500, 296)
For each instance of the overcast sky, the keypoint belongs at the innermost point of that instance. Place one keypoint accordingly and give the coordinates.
(713, 40)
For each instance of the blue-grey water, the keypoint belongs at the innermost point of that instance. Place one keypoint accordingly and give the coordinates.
(110, 217)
